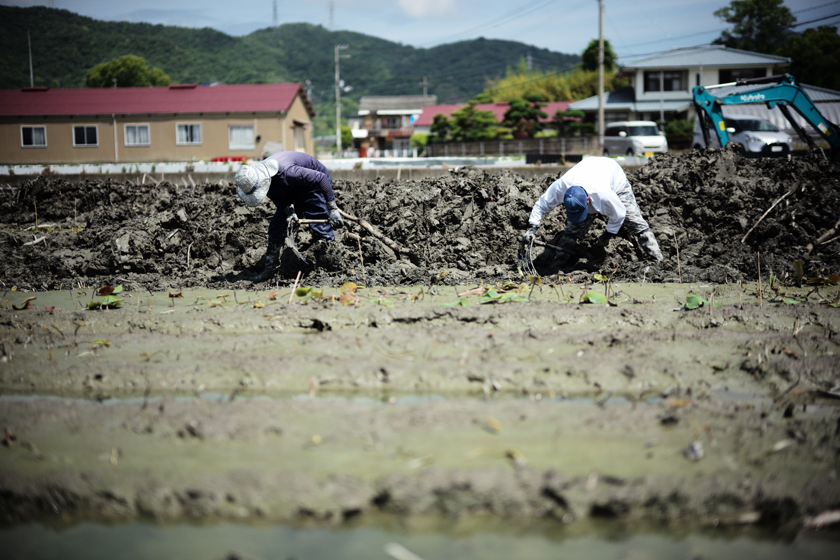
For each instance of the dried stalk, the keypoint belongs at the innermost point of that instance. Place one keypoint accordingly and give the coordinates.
(677, 245)
(387, 240)
(294, 288)
(823, 239)
(361, 259)
(758, 259)
(767, 212)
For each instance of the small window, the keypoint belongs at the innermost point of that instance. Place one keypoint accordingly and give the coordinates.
(85, 136)
(672, 81)
(189, 134)
(732, 75)
(392, 122)
(33, 136)
(241, 137)
(611, 131)
(136, 135)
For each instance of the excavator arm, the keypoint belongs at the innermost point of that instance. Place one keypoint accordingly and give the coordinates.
(784, 93)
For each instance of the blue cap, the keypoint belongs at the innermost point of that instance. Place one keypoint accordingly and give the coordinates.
(575, 203)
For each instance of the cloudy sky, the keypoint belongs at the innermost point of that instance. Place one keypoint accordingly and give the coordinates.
(633, 27)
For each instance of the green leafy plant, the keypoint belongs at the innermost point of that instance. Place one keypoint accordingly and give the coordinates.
(108, 302)
(108, 298)
(693, 301)
(592, 297)
(462, 302)
(493, 296)
(305, 294)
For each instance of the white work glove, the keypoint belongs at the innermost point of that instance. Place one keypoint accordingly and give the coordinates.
(529, 236)
(336, 221)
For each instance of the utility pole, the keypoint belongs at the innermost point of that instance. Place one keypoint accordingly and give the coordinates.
(31, 74)
(338, 99)
(332, 15)
(274, 19)
(600, 77)
(425, 85)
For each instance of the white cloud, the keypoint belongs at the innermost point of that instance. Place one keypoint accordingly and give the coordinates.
(426, 8)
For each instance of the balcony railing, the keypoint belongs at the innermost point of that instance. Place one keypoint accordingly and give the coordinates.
(392, 132)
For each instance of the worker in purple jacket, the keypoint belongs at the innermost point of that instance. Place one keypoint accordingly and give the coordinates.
(296, 183)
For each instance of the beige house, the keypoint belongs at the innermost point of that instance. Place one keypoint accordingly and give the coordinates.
(178, 123)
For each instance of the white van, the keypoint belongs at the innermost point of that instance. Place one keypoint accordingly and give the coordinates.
(755, 136)
(634, 138)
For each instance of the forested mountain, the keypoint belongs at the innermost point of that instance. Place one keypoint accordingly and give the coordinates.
(65, 45)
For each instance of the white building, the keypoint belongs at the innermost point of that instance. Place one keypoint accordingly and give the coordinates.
(660, 86)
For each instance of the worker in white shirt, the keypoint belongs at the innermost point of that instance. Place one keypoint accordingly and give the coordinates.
(595, 185)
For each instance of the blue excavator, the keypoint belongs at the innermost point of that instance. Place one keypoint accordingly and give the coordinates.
(784, 93)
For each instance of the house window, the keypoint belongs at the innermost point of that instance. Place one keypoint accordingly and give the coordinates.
(188, 134)
(85, 136)
(241, 137)
(136, 135)
(672, 81)
(33, 136)
(392, 122)
(732, 75)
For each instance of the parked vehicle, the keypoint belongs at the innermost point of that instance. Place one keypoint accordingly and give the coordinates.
(634, 138)
(754, 135)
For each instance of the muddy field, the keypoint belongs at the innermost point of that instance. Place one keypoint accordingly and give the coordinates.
(207, 394)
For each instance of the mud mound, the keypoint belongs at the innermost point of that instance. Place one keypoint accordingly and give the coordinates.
(56, 234)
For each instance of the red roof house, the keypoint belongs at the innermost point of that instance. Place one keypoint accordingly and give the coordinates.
(184, 122)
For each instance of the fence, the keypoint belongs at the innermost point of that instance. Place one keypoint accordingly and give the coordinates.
(546, 150)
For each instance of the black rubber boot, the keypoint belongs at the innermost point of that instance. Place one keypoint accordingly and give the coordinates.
(270, 260)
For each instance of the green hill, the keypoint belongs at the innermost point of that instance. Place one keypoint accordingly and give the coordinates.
(65, 45)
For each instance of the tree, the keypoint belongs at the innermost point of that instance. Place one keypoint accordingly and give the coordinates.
(346, 137)
(471, 124)
(757, 25)
(568, 123)
(589, 58)
(128, 71)
(440, 128)
(568, 86)
(815, 57)
(418, 141)
(523, 115)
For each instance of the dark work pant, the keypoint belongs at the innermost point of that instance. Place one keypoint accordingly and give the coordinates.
(308, 204)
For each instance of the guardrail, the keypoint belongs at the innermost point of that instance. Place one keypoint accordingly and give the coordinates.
(552, 146)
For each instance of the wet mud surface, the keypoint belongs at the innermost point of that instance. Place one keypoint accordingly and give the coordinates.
(241, 400)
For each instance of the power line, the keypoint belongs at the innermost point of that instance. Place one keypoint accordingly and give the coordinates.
(798, 24)
(495, 22)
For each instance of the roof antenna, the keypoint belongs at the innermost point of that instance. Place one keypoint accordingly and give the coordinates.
(31, 75)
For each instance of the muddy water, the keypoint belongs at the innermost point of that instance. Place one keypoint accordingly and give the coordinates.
(436, 538)
(238, 405)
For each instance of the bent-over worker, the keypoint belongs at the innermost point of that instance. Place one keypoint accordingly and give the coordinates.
(294, 182)
(596, 184)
